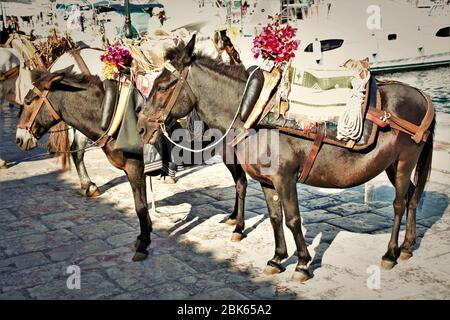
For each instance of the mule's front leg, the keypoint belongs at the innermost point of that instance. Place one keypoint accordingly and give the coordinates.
(276, 219)
(79, 143)
(136, 177)
(287, 190)
(237, 217)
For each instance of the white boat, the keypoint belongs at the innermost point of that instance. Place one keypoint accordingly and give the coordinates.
(394, 35)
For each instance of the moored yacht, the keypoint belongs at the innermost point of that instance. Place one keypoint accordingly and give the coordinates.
(394, 35)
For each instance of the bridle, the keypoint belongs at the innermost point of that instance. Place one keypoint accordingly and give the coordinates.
(10, 73)
(37, 105)
(182, 83)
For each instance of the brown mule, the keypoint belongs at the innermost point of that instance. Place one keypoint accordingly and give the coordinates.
(174, 96)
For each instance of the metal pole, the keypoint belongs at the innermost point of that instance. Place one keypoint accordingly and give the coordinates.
(127, 28)
(2, 17)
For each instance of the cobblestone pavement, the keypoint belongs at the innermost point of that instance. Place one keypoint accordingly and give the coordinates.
(46, 225)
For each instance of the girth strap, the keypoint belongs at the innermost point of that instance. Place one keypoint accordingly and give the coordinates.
(321, 130)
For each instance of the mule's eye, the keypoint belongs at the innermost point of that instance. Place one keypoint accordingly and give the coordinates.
(163, 87)
(138, 109)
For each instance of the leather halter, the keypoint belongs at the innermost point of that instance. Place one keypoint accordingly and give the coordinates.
(10, 73)
(43, 99)
(182, 82)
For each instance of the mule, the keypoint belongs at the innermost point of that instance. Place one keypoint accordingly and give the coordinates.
(189, 84)
(75, 99)
(14, 88)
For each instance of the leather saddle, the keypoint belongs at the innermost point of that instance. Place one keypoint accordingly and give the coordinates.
(253, 90)
(109, 102)
(260, 86)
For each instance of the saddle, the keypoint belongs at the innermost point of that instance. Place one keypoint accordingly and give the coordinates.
(260, 87)
(274, 114)
(278, 99)
(109, 102)
(114, 104)
(27, 51)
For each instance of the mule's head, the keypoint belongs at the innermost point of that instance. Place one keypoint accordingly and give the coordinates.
(38, 116)
(171, 96)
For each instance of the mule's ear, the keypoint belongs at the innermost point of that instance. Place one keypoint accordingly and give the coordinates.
(36, 75)
(45, 82)
(188, 55)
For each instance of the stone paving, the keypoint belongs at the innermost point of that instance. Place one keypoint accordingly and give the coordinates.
(47, 225)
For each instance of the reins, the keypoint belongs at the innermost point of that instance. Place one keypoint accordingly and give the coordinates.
(174, 98)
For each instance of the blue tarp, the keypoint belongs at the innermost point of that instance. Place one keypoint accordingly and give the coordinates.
(134, 8)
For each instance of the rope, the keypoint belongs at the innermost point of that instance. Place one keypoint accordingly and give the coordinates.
(46, 154)
(164, 131)
(152, 197)
(350, 124)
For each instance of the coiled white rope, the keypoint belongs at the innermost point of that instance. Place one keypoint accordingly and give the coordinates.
(350, 124)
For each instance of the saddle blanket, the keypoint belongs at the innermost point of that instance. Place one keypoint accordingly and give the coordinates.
(334, 97)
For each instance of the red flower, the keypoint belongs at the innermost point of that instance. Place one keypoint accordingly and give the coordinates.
(276, 42)
(117, 55)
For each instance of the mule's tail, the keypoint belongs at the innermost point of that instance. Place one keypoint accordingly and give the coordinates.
(423, 167)
(58, 143)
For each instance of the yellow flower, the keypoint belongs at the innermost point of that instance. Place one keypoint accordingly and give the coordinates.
(110, 70)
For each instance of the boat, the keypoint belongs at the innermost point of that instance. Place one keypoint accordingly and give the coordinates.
(393, 35)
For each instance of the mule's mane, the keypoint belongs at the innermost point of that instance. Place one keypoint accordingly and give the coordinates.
(80, 78)
(237, 72)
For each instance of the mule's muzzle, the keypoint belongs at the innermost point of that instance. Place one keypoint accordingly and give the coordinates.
(149, 132)
(25, 140)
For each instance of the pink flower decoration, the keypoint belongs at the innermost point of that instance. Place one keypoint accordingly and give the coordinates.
(276, 42)
(117, 55)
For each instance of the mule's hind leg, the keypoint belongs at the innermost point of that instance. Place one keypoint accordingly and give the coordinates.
(79, 143)
(237, 217)
(411, 203)
(400, 177)
(276, 219)
(422, 171)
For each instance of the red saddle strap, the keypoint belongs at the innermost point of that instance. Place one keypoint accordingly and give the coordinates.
(321, 130)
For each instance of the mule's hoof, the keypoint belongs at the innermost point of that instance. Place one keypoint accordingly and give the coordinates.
(93, 191)
(270, 270)
(301, 275)
(140, 256)
(236, 237)
(405, 254)
(168, 180)
(231, 222)
(273, 268)
(3, 164)
(387, 264)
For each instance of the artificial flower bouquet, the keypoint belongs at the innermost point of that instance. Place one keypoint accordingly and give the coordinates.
(117, 60)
